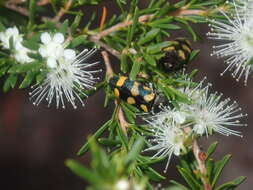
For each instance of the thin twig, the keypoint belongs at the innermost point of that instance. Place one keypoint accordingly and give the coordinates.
(109, 71)
(103, 18)
(63, 11)
(142, 19)
(15, 7)
(43, 2)
(123, 123)
(106, 47)
(120, 25)
(201, 164)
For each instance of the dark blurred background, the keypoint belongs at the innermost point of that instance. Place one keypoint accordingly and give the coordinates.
(35, 141)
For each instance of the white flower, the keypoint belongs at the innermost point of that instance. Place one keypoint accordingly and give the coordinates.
(167, 136)
(167, 114)
(19, 52)
(237, 36)
(67, 79)
(138, 187)
(243, 7)
(10, 33)
(210, 113)
(122, 184)
(53, 48)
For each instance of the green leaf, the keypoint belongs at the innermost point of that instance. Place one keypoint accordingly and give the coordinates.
(88, 2)
(154, 175)
(182, 187)
(78, 41)
(132, 28)
(135, 69)
(129, 114)
(27, 80)
(108, 142)
(135, 150)
(186, 165)
(211, 149)
(209, 168)
(173, 188)
(49, 25)
(97, 134)
(157, 48)
(32, 9)
(82, 171)
(148, 161)
(194, 53)
(157, 22)
(30, 44)
(188, 27)
(232, 184)
(41, 76)
(124, 66)
(189, 178)
(22, 68)
(122, 136)
(100, 160)
(76, 22)
(2, 28)
(164, 10)
(130, 107)
(169, 26)
(64, 27)
(150, 60)
(218, 169)
(10, 82)
(178, 95)
(11, 45)
(149, 36)
(4, 69)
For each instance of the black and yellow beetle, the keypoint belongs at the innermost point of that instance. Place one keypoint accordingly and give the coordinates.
(133, 92)
(177, 55)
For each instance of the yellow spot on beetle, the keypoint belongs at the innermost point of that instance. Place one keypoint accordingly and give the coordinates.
(149, 97)
(181, 54)
(121, 81)
(175, 42)
(146, 88)
(188, 42)
(186, 48)
(130, 100)
(116, 92)
(144, 108)
(135, 90)
(168, 49)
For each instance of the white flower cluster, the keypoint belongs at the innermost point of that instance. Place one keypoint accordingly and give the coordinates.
(208, 113)
(124, 184)
(19, 52)
(236, 34)
(67, 77)
(68, 74)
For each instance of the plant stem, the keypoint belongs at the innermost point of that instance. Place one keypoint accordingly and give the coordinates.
(142, 19)
(201, 164)
(63, 11)
(15, 7)
(106, 47)
(43, 2)
(109, 70)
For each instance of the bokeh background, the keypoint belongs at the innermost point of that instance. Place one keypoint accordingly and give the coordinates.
(35, 141)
